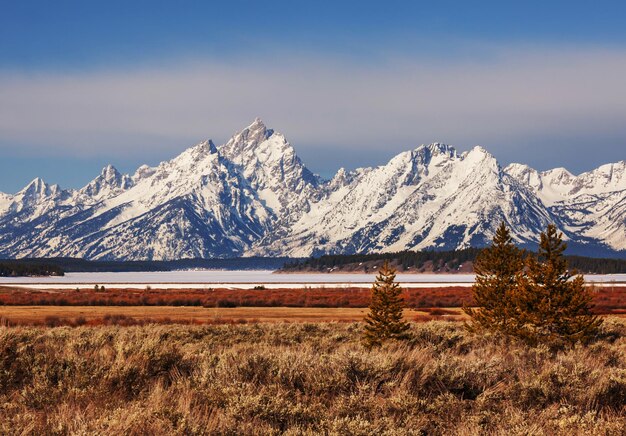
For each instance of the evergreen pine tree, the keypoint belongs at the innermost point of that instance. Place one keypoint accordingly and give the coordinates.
(497, 268)
(554, 304)
(384, 320)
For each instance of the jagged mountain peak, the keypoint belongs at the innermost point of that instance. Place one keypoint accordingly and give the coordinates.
(144, 171)
(560, 178)
(35, 185)
(34, 199)
(423, 154)
(247, 139)
(193, 154)
(344, 178)
(611, 175)
(440, 147)
(518, 168)
(431, 150)
(525, 174)
(340, 178)
(266, 158)
(445, 151)
(557, 184)
(479, 156)
(39, 188)
(206, 146)
(558, 172)
(257, 123)
(110, 182)
(478, 152)
(110, 173)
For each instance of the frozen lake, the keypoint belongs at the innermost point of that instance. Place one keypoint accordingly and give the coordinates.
(249, 279)
(213, 278)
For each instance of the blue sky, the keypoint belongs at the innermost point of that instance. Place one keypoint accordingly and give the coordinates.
(83, 84)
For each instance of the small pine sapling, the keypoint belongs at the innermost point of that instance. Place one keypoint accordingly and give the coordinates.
(384, 320)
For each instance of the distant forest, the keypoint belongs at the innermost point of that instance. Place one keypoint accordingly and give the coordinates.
(437, 260)
(57, 266)
(402, 259)
(17, 268)
(423, 261)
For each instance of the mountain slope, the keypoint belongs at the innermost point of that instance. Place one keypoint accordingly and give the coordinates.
(591, 206)
(426, 198)
(254, 196)
(195, 205)
(270, 165)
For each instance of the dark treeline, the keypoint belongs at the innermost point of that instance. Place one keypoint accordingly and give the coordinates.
(18, 268)
(416, 260)
(403, 259)
(56, 265)
(440, 259)
(598, 266)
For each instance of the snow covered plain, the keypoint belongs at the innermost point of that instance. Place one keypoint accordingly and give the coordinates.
(199, 279)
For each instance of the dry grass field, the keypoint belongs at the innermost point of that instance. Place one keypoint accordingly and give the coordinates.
(128, 315)
(221, 306)
(305, 378)
(179, 362)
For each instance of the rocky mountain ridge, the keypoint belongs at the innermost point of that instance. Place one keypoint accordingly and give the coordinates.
(254, 196)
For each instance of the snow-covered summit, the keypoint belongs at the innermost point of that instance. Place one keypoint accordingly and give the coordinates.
(592, 204)
(559, 184)
(272, 167)
(38, 188)
(110, 182)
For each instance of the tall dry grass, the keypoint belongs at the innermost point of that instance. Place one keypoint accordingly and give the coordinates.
(304, 379)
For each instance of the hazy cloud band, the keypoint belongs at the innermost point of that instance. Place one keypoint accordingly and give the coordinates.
(499, 102)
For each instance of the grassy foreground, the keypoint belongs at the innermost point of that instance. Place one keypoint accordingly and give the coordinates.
(304, 379)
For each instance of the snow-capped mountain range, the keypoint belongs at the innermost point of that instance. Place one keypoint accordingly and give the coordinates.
(254, 196)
